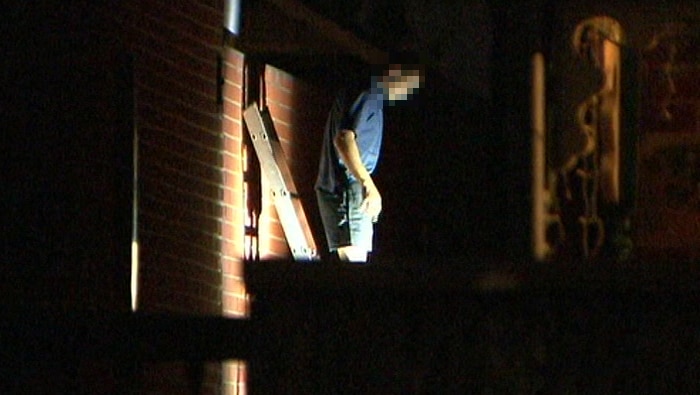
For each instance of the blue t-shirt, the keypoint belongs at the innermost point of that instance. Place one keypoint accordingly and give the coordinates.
(362, 114)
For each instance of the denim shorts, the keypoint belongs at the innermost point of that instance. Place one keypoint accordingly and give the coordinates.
(344, 222)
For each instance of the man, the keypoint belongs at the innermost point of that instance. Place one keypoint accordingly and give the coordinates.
(348, 199)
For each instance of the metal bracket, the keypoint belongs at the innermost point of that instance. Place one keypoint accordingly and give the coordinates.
(284, 193)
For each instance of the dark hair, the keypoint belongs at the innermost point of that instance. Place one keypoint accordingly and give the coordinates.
(406, 60)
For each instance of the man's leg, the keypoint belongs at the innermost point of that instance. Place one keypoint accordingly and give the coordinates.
(351, 253)
(348, 229)
(335, 224)
(360, 227)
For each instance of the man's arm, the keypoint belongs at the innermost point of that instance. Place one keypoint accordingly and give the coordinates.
(348, 151)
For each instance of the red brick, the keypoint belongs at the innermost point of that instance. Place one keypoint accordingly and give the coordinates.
(232, 163)
(233, 109)
(282, 78)
(284, 130)
(235, 305)
(177, 108)
(232, 145)
(276, 94)
(281, 113)
(232, 267)
(233, 75)
(233, 92)
(231, 232)
(234, 57)
(277, 247)
(232, 249)
(231, 127)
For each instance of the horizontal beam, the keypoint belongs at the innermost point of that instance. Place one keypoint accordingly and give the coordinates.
(301, 30)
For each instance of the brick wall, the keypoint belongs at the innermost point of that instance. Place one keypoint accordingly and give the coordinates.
(192, 212)
(234, 296)
(185, 221)
(175, 49)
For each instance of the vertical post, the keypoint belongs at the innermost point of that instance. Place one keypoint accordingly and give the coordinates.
(252, 92)
(540, 248)
(135, 263)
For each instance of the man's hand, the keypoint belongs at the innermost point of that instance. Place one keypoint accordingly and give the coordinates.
(372, 202)
(348, 151)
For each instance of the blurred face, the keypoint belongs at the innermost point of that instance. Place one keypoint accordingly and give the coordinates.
(400, 83)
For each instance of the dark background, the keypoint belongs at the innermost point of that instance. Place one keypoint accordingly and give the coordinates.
(66, 209)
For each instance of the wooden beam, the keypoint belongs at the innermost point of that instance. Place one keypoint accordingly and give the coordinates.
(268, 31)
(277, 47)
(299, 12)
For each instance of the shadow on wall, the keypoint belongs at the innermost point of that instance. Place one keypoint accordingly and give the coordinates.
(67, 173)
